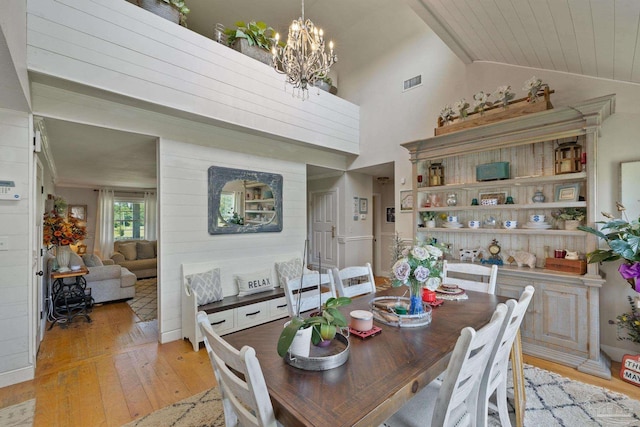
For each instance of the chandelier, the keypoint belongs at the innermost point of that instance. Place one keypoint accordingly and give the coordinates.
(303, 58)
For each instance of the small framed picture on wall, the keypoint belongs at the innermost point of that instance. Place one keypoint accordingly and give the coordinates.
(364, 206)
(406, 201)
(391, 214)
(79, 212)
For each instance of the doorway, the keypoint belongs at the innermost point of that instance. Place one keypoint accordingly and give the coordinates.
(323, 245)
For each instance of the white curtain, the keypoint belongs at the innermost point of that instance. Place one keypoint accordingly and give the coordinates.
(150, 215)
(103, 244)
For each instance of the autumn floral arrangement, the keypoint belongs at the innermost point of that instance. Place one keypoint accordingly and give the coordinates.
(62, 231)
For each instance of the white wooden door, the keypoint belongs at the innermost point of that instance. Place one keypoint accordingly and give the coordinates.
(39, 281)
(324, 225)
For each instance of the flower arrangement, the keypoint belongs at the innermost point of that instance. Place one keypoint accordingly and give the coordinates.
(62, 231)
(623, 238)
(629, 321)
(481, 101)
(446, 113)
(504, 94)
(428, 216)
(461, 107)
(414, 269)
(569, 214)
(533, 86)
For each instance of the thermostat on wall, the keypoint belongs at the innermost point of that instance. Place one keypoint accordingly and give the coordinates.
(8, 190)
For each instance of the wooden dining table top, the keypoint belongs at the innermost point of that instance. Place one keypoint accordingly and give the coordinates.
(382, 372)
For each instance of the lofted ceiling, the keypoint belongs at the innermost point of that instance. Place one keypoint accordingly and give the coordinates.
(596, 38)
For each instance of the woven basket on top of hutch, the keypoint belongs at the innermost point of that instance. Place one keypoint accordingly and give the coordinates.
(562, 323)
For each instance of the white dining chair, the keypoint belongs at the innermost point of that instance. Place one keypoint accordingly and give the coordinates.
(486, 274)
(245, 398)
(354, 280)
(454, 401)
(307, 293)
(495, 376)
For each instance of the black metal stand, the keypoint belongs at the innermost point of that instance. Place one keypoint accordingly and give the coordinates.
(70, 300)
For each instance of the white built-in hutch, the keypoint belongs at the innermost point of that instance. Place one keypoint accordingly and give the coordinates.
(562, 323)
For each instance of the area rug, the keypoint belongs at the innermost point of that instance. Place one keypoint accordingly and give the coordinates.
(203, 409)
(20, 414)
(145, 303)
(552, 401)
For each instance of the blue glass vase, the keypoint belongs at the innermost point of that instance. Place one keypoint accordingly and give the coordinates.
(415, 299)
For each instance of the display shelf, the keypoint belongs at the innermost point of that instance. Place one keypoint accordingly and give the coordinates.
(550, 232)
(525, 180)
(485, 208)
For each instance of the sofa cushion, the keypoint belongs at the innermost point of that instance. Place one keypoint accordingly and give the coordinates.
(145, 250)
(252, 283)
(128, 250)
(92, 260)
(207, 286)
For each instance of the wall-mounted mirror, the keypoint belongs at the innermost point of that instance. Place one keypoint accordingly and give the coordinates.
(244, 201)
(630, 192)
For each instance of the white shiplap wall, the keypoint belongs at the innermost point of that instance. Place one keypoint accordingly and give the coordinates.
(16, 320)
(121, 48)
(184, 213)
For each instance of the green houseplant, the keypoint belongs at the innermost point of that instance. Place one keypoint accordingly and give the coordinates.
(174, 10)
(324, 325)
(255, 33)
(571, 217)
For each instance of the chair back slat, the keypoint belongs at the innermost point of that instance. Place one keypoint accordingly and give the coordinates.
(308, 288)
(487, 276)
(362, 274)
(245, 398)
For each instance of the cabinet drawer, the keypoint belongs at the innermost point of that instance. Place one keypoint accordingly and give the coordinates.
(250, 315)
(222, 322)
(278, 308)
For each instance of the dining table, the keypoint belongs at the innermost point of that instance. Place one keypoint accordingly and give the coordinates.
(381, 373)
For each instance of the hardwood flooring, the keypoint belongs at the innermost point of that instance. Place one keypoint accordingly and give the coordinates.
(113, 370)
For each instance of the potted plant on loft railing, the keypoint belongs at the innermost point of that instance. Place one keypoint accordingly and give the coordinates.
(172, 10)
(253, 39)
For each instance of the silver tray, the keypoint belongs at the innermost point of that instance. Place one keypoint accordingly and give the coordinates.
(322, 358)
(399, 320)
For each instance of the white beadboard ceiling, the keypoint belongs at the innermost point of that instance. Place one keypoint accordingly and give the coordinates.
(596, 38)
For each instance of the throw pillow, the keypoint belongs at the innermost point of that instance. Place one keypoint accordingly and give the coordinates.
(145, 250)
(206, 285)
(128, 250)
(290, 269)
(92, 260)
(252, 283)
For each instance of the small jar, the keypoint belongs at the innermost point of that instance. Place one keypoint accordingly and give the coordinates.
(452, 199)
(538, 197)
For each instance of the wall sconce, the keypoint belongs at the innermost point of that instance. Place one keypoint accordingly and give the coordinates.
(568, 157)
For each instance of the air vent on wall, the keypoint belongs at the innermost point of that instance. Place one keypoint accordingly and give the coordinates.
(412, 82)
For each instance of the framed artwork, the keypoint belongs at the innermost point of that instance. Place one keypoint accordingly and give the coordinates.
(567, 192)
(364, 206)
(391, 214)
(78, 211)
(406, 201)
(499, 196)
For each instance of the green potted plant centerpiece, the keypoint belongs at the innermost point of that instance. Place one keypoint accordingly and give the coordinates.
(429, 219)
(172, 10)
(324, 325)
(253, 39)
(324, 83)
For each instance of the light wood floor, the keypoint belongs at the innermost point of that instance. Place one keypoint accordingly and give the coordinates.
(111, 371)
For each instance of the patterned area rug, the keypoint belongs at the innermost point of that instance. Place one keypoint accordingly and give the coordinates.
(20, 414)
(145, 303)
(552, 401)
(203, 409)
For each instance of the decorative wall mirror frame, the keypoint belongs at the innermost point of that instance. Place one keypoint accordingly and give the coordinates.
(252, 201)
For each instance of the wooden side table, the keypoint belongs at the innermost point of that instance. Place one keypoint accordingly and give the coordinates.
(69, 299)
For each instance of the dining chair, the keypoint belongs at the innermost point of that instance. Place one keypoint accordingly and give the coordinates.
(454, 401)
(495, 376)
(487, 276)
(310, 291)
(359, 280)
(245, 398)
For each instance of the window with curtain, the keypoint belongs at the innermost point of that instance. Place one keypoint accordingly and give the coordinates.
(128, 219)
